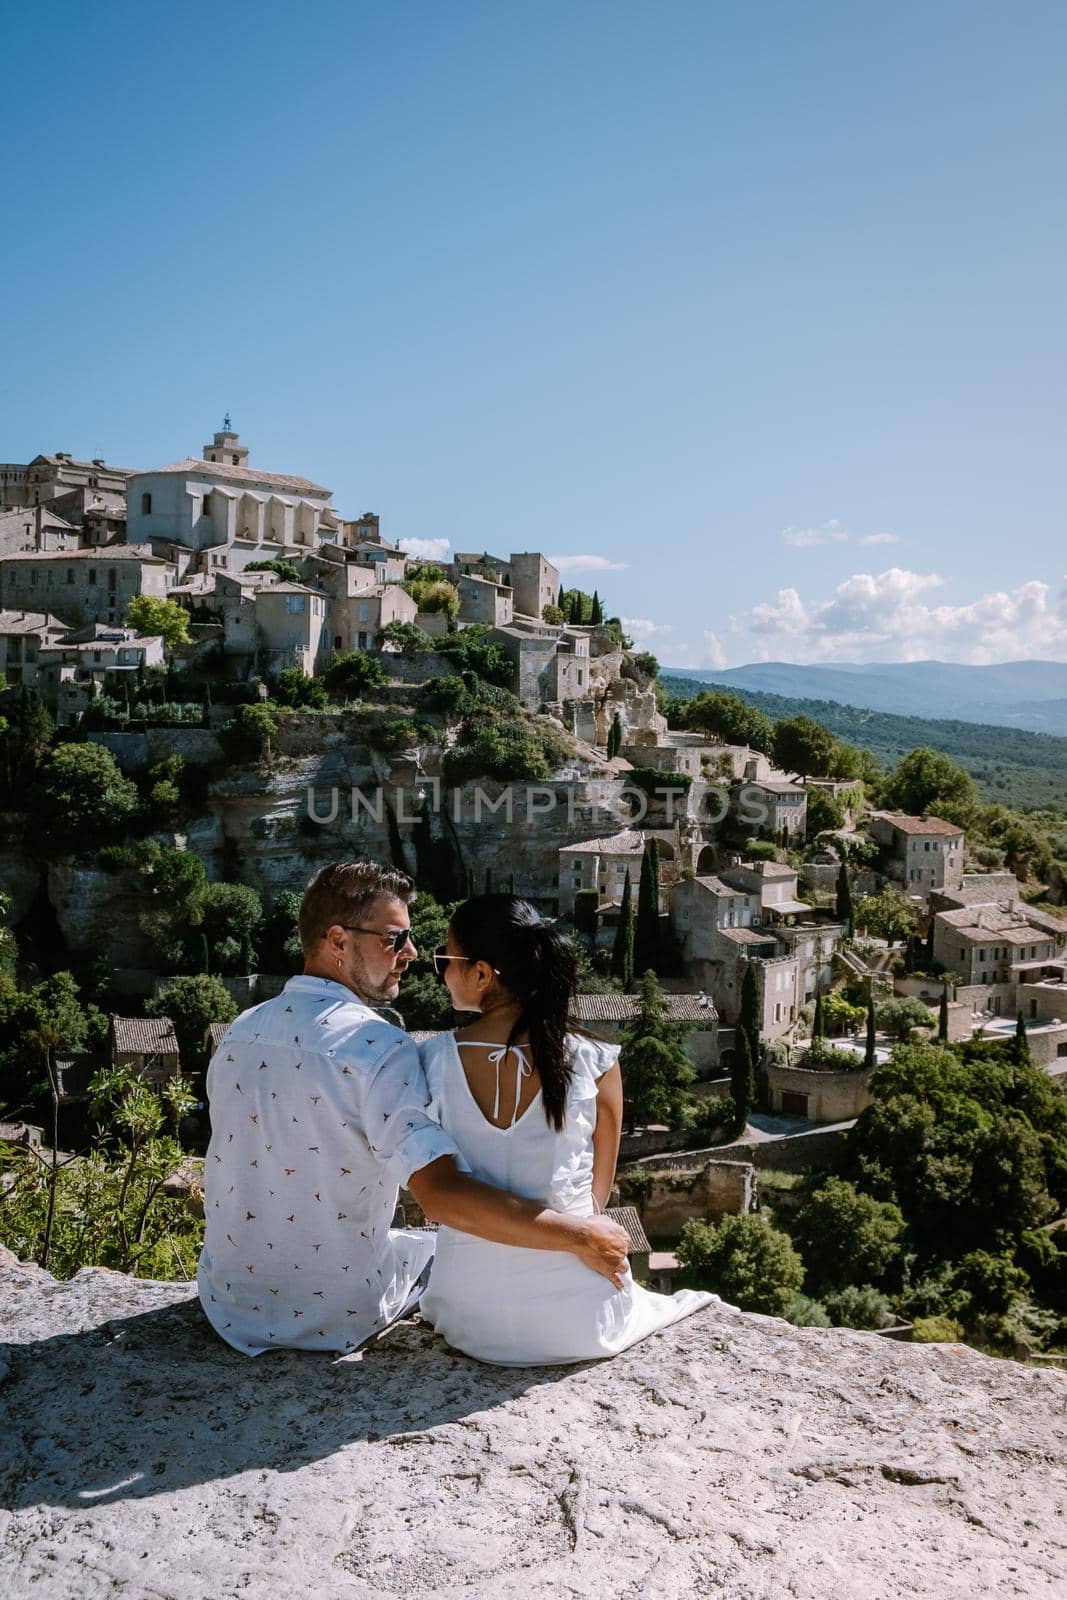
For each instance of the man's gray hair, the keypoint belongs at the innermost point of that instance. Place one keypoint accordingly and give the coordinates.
(344, 892)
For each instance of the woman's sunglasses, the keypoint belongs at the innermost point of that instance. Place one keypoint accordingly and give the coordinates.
(441, 955)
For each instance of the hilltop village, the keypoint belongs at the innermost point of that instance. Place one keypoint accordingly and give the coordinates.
(280, 588)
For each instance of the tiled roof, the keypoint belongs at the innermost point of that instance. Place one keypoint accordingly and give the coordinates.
(774, 785)
(145, 1035)
(919, 825)
(216, 1032)
(101, 554)
(628, 843)
(625, 1007)
(766, 869)
(747, 936)
(627, 1218)
(194, 468)
(87, 466)
(717, 887)
(1011, 924)
(30, 622)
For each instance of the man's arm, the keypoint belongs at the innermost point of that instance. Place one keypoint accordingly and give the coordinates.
(450, 1196)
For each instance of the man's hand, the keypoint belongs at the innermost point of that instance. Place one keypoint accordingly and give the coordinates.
(603, 1248)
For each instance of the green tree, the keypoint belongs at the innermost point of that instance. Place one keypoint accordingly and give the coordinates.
(942, 1016)
(899, 1015)
(742, 1080)
(150, 615)
(251, 730)
(231, 915)
(870, 1058)
(801, 745)
(844, 910)
(647, 932)
(596, 611)
(818, 1026)
(656, 1071)
(553, 615)
(888, 915)
(927, 783)
(745, 1260)
(81, 790)
(350, 675)
(622, 953)
(292, 687)
(824, 812)
(191, 1002)
(846, 1236)
(729, 719)
(279, 941)
(752, 1014)
(1022, 1047)
(287, 571)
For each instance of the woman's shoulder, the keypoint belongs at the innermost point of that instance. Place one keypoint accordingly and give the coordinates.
(592, 1057)
(434, 1047)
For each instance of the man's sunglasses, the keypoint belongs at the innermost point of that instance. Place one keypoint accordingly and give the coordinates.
(395, 938)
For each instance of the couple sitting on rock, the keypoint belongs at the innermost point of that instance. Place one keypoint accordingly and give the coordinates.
(506, 1133)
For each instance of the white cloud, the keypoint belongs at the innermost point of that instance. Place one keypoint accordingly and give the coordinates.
(586, 563)
(804, 538)
(880, 538)
(642, 628)
(426, 549)
(714, 654)
(888, 617)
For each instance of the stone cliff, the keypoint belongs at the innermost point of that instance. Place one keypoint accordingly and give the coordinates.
(732, 1455)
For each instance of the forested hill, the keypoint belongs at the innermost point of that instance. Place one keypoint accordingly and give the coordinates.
(1024, 770)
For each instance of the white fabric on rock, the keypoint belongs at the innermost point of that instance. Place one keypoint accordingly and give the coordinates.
(520, 1307)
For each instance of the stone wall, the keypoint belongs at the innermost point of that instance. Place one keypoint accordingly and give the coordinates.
(712, 1191)
(830, 1096)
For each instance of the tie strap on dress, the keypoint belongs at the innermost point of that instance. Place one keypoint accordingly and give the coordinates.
(497, 1054)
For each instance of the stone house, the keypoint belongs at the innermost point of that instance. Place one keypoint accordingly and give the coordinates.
(389, 564)
(148, 1044)
(535, 582)
(484, 602)
(36, 528)
(214, 501)
(23, 634)
(767, 805)
(48, 477)
(82, 586)
(602, 864)
(609, 1015)
(996, 945)
(920, 854)
(360, 618)
(821, 1096)
(720, 929)
(96, 659)
(292, 627)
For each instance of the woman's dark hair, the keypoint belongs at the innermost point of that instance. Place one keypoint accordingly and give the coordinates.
(537, 967)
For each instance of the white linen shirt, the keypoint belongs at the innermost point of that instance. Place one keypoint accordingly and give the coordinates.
(318, 1113)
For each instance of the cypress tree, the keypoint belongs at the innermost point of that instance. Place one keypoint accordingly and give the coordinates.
(818, 1027)
(596, 615)
(614, 737)
(942, 1016)
(741, 1076)
(646, 934)
(1022, 1047)
(247, 956)
(750, 1013)
(844, 900)
(869, 1057)
(622, 953)
(656, 1071)
(205, 961)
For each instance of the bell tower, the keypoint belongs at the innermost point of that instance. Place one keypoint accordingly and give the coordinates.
(226, 448)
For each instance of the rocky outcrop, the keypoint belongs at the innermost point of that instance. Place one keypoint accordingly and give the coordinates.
(731, 1455)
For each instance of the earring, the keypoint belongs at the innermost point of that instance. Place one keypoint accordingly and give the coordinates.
(338, 962)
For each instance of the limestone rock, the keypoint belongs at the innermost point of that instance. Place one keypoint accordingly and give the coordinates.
(731, 1455)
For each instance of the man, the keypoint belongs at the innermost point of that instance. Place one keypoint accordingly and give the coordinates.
(318, 1114)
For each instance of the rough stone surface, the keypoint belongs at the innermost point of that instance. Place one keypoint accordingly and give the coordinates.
(731, 1456)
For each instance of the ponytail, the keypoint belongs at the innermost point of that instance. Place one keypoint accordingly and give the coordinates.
(537, 967)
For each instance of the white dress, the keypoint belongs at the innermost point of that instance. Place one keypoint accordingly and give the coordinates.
(520, 1307)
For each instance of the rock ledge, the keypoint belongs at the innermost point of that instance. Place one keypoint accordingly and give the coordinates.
(732, 1455)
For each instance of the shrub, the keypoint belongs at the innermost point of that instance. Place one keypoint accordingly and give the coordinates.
(745, 1260)
(287, 571)
(81, 790)
(649, 779)
(347, 676)
(191, 1003)
(804, 1312)
(859, 1306)
(153, 616)
(846, 1236)
(250, 730)
(295, 689)
(936, 1330)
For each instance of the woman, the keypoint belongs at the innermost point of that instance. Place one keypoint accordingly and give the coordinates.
(536, 1110)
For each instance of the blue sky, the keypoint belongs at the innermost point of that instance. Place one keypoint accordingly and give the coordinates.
(762, 305)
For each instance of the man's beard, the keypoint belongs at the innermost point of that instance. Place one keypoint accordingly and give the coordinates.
(376, 993)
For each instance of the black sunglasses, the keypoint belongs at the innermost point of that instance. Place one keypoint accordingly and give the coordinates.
(396, 938)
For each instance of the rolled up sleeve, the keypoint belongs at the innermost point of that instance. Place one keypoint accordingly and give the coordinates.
(402, 1135)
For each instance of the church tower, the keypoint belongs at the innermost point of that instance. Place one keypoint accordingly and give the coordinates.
(227, 449)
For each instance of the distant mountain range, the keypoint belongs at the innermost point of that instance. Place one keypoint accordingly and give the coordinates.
(1029, 695)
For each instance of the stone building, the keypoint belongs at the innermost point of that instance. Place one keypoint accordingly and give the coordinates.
(85, 662)
(720, 929)
(535, 583)
(292, 628)
(23, 634)
(47, 477)
(767, 805)
(481, 601)
(219, 500)
(997, 947)
(821, 1096)
(82, 586)
(602, 864)
(921, 854)
(609, 1015)
(148, 1044)
(36, 528)
(359, 619)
